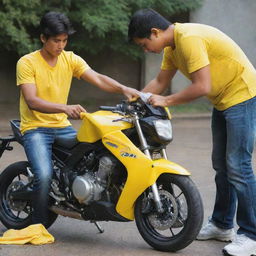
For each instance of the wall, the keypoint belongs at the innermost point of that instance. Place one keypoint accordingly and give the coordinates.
(119, 67)
(234, 17)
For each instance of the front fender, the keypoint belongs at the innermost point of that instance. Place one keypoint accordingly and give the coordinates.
(138, 183)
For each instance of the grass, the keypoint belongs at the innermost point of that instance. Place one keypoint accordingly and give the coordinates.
(196, 107)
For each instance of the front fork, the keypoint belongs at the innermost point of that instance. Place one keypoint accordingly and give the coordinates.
(145, 149)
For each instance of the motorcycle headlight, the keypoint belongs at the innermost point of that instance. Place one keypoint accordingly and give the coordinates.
(163, 129)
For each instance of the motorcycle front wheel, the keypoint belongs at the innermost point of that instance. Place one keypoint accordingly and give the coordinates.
(13, 213)
(181, 218)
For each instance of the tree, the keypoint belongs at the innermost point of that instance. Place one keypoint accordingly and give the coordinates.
(100, 24)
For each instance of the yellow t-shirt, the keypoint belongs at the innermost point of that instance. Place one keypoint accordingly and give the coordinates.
(52, 84)
(233, 77)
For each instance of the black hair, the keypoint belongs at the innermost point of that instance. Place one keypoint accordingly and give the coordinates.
(55, 23)
(143, 21)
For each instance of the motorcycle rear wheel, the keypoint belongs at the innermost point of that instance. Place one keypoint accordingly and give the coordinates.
(181, 221)
(17, 214)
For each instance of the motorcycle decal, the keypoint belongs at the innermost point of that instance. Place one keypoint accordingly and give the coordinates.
(125, 154)
(112, 144)
(119, 143)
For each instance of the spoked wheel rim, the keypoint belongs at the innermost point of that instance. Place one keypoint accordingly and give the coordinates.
(181, 196)
(15, 210)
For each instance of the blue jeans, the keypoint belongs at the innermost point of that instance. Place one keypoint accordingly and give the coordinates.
(38, 147)
(233, 142)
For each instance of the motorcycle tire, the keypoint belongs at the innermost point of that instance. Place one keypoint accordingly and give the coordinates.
(173, 229)
(17, 172)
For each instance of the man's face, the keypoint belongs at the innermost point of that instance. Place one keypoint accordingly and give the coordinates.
(54, 45)
(152, 44)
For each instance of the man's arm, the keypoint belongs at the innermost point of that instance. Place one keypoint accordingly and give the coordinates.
(200, 86)
(161, 82)
(29, 93)
(108, 84)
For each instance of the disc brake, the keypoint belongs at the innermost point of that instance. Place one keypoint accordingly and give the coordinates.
(168, 217)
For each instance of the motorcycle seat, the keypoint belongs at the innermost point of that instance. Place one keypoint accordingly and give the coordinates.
(15, 125)
(67, 143)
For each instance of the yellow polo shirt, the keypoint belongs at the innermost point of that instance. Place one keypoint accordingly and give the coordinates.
(52, 84)
(233, 77)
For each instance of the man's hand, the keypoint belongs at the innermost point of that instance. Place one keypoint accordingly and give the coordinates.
(73, 111)
(130, 93)
(158, 101)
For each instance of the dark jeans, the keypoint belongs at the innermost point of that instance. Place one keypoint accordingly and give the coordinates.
(233, 142)
(38, 147)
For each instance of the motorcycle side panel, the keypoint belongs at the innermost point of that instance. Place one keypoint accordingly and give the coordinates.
(142, 172)
(95, 125)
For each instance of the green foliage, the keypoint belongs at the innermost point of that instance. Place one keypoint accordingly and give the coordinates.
(100, 24)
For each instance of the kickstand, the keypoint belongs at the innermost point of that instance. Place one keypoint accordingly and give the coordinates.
(101, 230)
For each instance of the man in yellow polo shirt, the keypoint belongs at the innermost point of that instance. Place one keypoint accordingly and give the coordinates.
(218, 69)
(44, 78)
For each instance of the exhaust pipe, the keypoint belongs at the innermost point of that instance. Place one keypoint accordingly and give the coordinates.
(66, 213)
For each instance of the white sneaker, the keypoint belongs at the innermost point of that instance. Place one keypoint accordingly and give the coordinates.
(210, 231)
(241, 246)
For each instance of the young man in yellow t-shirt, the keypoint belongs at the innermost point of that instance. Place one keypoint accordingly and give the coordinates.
(44, 78)
(219, 70)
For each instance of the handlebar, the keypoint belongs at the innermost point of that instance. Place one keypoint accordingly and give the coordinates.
(138, 106)
(107, 108)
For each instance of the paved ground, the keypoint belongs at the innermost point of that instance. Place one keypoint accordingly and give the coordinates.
(191, 148)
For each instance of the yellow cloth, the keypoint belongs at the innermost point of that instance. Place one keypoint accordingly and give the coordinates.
(52, 84)
(34, 234)
(233, 77)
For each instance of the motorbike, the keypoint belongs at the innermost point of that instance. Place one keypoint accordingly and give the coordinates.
(115, 170)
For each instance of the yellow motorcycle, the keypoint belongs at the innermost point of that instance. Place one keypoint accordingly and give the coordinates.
(116, 170)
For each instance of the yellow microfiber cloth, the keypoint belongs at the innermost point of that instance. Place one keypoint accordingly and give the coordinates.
(34, 234)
